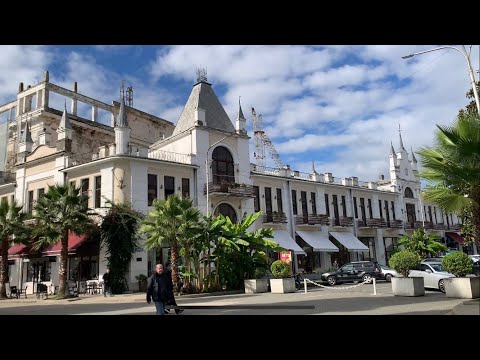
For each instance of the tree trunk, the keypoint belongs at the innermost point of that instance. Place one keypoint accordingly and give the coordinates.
(476, 215)
(204, 270)
(174, 261)
(63, 290)
(4, 269)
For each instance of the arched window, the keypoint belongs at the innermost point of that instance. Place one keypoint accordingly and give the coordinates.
(408, 193)
(222, 165)
(226, 210)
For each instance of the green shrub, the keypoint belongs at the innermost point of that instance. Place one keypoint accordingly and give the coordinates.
(403, 261)
(281, 269)
(259, 272)
(458, 264)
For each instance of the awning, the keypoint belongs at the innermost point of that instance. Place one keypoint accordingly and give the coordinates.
(74, 241)
(17, 249)
(317, 240)
(455, 237)
(284, 239)
(349, 240)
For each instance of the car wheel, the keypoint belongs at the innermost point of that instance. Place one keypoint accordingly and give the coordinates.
(332, 280)
(388, 278)
(367, 278)
(441, 285)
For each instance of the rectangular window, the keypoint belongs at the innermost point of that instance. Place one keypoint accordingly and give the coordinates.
(256, 199)
(362, 209)
(294, 202)
(152, 188)
(85, 184)
(355, 207)
(169, 184)
(314, 203)
(435, 212)
(393, 210)
(430, 214)
(327, 205)
(344, 206)
(98, 191)
(12, 199)
(303, 197)
(268, 203)
(4, 199)
(335, 210)
(370, 210)
(390, 245)
(424, 213)
(387, 213)
(73, 183)
(40, 193)
(279, 201)
(380, 208)
(185, 188)
(30, 202)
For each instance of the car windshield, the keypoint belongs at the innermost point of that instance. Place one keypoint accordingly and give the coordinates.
(436, 267)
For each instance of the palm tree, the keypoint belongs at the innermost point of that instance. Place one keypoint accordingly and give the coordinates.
(452, 167)
(11, 224)
(422, 244)
(165, 227)
(61, 210)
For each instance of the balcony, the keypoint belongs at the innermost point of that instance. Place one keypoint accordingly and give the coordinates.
(275, 218)
(396, 224)
(456, 227)
(440, 226)
(372, 223)
(321, 219)
(229, 188)
(428, 225)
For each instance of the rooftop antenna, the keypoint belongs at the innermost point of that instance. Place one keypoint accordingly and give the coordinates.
(129, 96)
(122, 90)
(201, 74)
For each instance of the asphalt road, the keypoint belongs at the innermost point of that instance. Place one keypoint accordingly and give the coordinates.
(340, 300)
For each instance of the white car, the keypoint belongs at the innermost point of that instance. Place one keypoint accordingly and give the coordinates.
(388, 273)
(433, 275)
(475, 258)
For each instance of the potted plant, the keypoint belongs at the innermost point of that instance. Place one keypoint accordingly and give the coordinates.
(283, 282)
(402, 262)
(460, 286)
(142, 282)
(259, 284)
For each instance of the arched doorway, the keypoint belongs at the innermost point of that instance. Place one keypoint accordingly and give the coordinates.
(227, 210)
(408, 193)
(222, 165)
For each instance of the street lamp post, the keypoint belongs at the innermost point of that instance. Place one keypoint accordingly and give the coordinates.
(469, 64)
(206, 165)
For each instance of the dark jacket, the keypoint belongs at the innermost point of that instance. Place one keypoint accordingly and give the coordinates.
(158, 288)
(170, 295)
(106, 278)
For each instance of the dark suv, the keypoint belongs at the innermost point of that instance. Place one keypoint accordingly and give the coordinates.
(354, 271)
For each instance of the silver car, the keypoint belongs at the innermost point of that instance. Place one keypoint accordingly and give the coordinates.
(388, 273)
(433, 275)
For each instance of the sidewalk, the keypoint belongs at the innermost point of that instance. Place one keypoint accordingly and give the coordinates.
(468, 307)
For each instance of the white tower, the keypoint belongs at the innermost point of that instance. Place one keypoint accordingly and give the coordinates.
(122, 131)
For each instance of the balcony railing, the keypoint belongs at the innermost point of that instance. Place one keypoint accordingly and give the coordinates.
(372, 223)
(233, 189)
(275, 218)
(456, 227)
(395, 224)
(320, 219)
(440, 226)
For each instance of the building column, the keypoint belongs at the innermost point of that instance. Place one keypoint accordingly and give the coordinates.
(73, 107)
(380, 248)
(38, 99)
(94, 114)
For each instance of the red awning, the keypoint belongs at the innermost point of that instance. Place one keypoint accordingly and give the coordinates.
(17, 249)
(74, 241)
(454, 236)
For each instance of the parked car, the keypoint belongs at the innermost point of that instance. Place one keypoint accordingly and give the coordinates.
(353, 271)
(387, 273)
(475, 258)
(433, 275)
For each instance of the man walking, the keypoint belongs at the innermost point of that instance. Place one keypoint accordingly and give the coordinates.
(158, 288)
(106, 284)
(171, 296)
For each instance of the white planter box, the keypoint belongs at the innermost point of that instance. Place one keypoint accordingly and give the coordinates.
(256, 286)
(282, 286)
(463, 288)
(411, 286)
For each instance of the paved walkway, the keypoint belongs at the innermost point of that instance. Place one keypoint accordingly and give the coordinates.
(317, 301)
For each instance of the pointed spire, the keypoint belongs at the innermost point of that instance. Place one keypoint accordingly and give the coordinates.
(414, 159)
(122, 115)
(313, 168)
(240, 112)
(401, 141)
(392, 150)
(65, 121)
(27, 134)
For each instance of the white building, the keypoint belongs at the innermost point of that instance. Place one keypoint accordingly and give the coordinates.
(140, 157)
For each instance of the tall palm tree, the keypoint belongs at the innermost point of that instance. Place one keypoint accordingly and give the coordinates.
(452, 167)
(165, 226)
(61, 210)
(11, 225)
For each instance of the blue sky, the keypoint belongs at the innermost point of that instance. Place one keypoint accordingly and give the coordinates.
(339, 106)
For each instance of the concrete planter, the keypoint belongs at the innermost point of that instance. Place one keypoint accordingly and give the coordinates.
(282, 286)
(411, 286)
(463, 288)
(256, 286)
